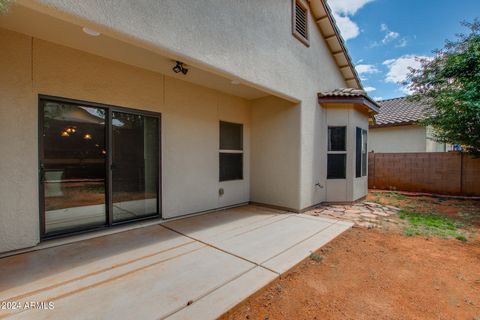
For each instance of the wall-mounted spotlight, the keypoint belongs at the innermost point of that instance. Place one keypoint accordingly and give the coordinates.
(180, 68)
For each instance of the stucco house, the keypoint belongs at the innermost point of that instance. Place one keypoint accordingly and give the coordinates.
(115, 112)
(396, 128)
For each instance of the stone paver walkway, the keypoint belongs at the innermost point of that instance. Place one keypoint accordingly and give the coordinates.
(365, 214)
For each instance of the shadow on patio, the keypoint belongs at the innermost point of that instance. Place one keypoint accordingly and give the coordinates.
(156, 271)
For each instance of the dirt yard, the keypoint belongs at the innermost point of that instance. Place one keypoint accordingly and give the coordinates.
(382, 273)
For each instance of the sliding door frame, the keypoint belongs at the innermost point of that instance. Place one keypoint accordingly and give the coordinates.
(108, 164)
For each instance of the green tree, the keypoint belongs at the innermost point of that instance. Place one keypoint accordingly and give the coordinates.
(4, 6)
(450, 83)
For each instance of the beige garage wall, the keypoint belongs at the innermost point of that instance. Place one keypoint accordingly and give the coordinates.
(398, 139)
(190, 128)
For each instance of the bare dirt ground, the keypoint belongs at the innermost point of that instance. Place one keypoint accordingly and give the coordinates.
(381, 274)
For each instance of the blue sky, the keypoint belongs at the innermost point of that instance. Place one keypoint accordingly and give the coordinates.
(384, 37)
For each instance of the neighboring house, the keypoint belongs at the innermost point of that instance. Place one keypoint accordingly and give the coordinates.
(120, 111)
(396, 128)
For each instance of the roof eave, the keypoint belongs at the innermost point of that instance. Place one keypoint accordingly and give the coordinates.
(326, 23)
(393, 124)
(370, 104)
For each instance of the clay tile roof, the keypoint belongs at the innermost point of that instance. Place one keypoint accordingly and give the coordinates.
(399, 111)
(348, 95)
(344, 92)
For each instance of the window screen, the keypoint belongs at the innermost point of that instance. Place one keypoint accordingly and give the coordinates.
(337, 153)
(358, 153)
(231, 136)
(336, 163)
(361, 153)
(231, 151)
(364, 153)
(336, 139)
(231, 166)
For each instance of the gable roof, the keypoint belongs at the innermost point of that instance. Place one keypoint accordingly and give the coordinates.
(328, 27)
(399, 112)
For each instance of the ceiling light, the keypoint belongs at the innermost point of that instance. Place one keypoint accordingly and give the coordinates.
(91, 32)
(87, 136)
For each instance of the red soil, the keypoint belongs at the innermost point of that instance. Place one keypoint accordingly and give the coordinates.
(368, 274)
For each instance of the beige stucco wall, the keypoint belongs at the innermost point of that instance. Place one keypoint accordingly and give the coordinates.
(410, 138)
(275, 149)
(190, 128)
(351, 188)
(434, 146)
(247, 40)
(360, 184)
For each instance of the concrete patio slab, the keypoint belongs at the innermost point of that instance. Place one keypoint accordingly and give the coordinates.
(227, 296)
(37, 270)
(192, 268)
(290, 257)
(259, 240)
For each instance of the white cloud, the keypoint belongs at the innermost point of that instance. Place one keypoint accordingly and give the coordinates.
(348, 28)
(343, 10)
(366, 69)
(401, 43)
(347, 7)
(389, 34)
(377, 98)
(369, 89)
(398, 69)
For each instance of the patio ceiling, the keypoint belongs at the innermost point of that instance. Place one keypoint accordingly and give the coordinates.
(42, 26)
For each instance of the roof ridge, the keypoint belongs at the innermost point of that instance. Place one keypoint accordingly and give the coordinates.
(397, 98)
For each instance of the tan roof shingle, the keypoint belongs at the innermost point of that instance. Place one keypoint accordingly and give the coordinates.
(399, 111)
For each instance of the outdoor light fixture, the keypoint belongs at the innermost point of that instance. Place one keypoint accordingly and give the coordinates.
(180, 68)
(64, 134)
(91, 32)
(87, 136)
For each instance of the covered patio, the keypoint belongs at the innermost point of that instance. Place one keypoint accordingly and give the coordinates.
(197, 267)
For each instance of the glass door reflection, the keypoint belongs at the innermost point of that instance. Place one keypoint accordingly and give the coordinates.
(73, 167)
(135, 171)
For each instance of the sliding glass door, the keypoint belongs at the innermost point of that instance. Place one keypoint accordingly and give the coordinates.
(134, 166)
(99, 166)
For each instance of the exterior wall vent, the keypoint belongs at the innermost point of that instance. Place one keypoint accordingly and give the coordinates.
(300, 13)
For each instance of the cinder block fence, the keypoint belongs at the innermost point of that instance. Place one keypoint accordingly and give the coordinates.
(434, 172)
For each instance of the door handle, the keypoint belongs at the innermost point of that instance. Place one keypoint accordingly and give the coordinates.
(41, 172)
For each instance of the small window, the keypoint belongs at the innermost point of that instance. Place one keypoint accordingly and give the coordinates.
(337, 164)
(300, 13)
(336, 139)
(361, 153)
(337, 153)
(231, 151)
